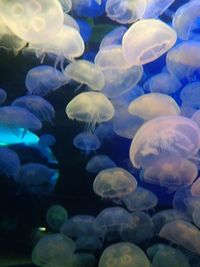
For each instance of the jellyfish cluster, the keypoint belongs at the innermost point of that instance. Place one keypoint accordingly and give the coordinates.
(134, 68)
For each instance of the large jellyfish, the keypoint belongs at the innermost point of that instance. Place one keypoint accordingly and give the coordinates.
(114, 183)
(147, 40)
(56, 215)
(34, 21)
(170, 135)
(99, 163)
(9, 162)
(123, 254)
(87, 142)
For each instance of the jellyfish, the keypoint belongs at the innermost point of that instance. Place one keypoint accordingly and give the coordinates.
(9, 162)
(153, 105)
(81, 260)
(56, 216)
(3, 96)
(88, 243)
(98, 163)
(155, 8)
(66, 5)
(47, 140)
(90, 107)
(105, 131)
(70, 21)
(114, 183)
(89, 8)
(17, 117)
(196, 216)
(33, 21)
(186, 21)
(195, 188)
(147, 40)
(87, 142)
(183, 234)
(123, 254)
(140, 200)
(187, 111)
(167, 135)
(44, 79)
(37, 105)
(154, 249)
(190, 95)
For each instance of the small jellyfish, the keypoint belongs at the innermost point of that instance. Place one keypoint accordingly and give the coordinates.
(196, 117)
(9, 162)
(196, 216)
(47, 140)
(154, 249)
(66, 5)
(140, 200)
(155, 8)
(56, 215)
(33, 21)
(105, 131)
(99, 163)
(114, 183)
(195, 188)
(87, 142)
(80, 260)
(113, 38)
(147, 40)
(88, 243)
(37, 105)
(123, 254)
(190, 95)
(89, 8)
(3, 96)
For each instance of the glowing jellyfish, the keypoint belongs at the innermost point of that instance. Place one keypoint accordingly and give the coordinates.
(113, 38)
(190, 95)
(195, 188)
(123, 254)
(186, 21)
(56, 215)
(87, 142)
(3, 96)
(140, 200)
(44, 79)
(91, 107)
(9, 162)
(99, 163)
(37, 105)
(33, 21)
(125, 11)
(172, 135)
(183, 234)
(141, 229)
(17, 117)
(171, 172)
(87, 73)
(183, 61)
(155, 8)
(114, 183)
(147, 40)
(56, 249)
(88, 243)
(153, 105)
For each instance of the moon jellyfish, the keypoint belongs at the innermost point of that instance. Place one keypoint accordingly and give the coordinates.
(195, 188)
(91, 107)
(186, 21)
(54, 249)
(47, 140)
(88, 243)
(3, 96)
(41, 80)
(33, 21)
(99, 163)
(70, 21)
(80, 260)
(190, 95)
(168, 135)
(66, 5)
(17, 117)
(105, 131)
(56, 216)
(87, 142)
(153, 105)
(89, 8)
(9, 162)
(147, 40)
(140, 200)
(154, 249)
(141, 229)
(196, 117)
(114, 183)
(123, 254)
(196, 216)
(125, 11)
(183, 61)
(155, 8)
(37, 105)
(183, 234)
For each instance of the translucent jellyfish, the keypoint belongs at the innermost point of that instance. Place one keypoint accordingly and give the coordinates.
(170, 257)
(105, 131)
(47, 140)
(190, 95)
(125, 11)
(168, 135)
(187, 111)
(183, 61)
(9, 162)
(44, 79)
(89, 8)
(37, 105)
(195, 188)
(70, 21)
(171, 172)
(88, 243)
(147, 40)
(112, 221)
(153, 105)
(33, 21)
(91, 107)
(79, 225)
(17, 117)
(3, 96)
(183, 234)
(155, 8)
(87, 73)
(87, 142)
(56, 249)
(196, 216)
(186, 21)
(154, 249)
(114, 183)
(196, 117)
(56, 215)
(141, 229)
(123, 254)
(66, 5)
(165, 216)
(140, 200)
(99, 163)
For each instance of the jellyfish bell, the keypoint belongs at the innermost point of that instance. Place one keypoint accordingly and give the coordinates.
(55, 217)
(190, 95)
(9, 162)
(99, 163)
(155, 8)
(3, 96)
(86, 142)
